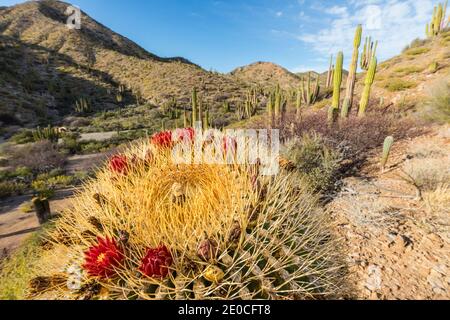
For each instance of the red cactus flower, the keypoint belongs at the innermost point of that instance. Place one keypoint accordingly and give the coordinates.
(103, 258)
(157, 262)
(119, 164)
(162, 139)
(184, 135)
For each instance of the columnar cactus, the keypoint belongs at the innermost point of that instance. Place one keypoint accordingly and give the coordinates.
(351, 80)
(370, 77)
(277, 101)
(82, 105)
(330, 73)
(387, 146)
(185, 118)
(438, 22)
(298, 104)
(206, 120)
(310, 93)
(194, 105)
(49, 133)
(337, 82)
(369, 52)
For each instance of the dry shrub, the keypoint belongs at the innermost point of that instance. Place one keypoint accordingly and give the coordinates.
(437, 106)
(41, 156)
(352, 137)
(317, 162)
(430, 173)
(438, 209)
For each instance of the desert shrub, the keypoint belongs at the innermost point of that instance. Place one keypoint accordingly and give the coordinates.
(70, 143)
(22, 137)
(11, 188)
(428, 174)
(416, 43)
(46, 184)
(437, 106)
(40, 156)
(397, 84)
(315, 160)
(351, 137)
(404, 71)
(417, 51)
(425, 150)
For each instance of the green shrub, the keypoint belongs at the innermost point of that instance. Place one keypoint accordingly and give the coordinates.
(397, 84)
(46, 184)
(42, 189)
(417, 51)
(23, 137)
(11, 188)
(317, 162)
(404, 71)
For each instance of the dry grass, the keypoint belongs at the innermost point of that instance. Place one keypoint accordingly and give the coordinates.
(430, 173)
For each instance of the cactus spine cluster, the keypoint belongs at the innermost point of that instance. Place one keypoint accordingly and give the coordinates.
(351, 80)
(387, 146)
(310, 93)
(337, 82)
(438, 22)
(369, 51)
(370, 77)
(201, 232)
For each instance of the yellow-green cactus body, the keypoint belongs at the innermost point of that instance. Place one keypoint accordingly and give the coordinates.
(370, 77)
(348, 101)
(337, 81)
(387, 146)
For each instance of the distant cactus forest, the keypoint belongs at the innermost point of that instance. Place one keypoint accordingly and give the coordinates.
(86, 163)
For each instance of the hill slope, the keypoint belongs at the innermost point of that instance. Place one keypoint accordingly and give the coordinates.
(266, 74)
(46, 67)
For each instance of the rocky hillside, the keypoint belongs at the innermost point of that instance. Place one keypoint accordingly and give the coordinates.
(46, 67)
(266, 74)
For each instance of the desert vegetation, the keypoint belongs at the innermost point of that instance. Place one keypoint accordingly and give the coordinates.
(142, 226)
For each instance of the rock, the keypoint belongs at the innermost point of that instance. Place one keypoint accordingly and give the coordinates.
(373, 282)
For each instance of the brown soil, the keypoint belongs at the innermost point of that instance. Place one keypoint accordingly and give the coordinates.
(398, 244)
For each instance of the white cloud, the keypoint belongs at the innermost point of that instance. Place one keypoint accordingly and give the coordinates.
(279, 14)
(394, 23)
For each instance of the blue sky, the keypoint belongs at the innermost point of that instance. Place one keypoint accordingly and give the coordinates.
(224, 34)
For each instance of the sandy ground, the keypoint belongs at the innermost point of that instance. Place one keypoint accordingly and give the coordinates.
(16, 226)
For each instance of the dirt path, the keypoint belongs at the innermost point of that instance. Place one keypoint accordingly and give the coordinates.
(398, 244)
(16, 226)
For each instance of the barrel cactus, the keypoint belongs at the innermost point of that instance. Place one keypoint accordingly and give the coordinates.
(149, 228)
